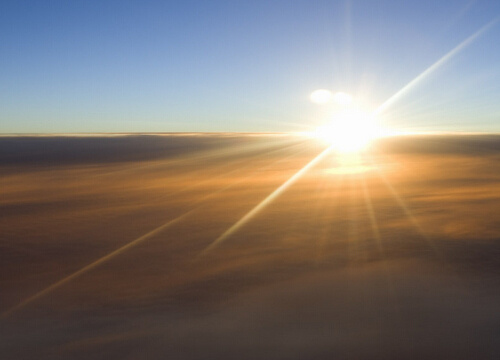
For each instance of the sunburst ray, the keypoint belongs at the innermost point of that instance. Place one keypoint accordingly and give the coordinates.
(426, 73)
(194, 206)
(266, 201)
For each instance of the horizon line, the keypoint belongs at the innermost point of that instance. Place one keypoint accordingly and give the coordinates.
(198, 133)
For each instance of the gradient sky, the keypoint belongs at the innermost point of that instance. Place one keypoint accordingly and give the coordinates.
(124, 66)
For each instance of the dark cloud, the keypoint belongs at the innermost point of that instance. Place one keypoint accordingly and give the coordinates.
(74, 150)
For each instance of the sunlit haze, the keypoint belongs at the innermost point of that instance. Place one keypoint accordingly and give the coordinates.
(306, 179)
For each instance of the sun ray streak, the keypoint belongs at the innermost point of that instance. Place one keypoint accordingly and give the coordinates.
(353, 246)
(322, 240)
(391, 292)
(407, 211)
(371, 214)
(259, 207)
(197, 205)
(435, 66)
(229, 165)
(94, 264)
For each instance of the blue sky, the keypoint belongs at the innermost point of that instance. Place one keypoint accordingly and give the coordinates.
(125, 66)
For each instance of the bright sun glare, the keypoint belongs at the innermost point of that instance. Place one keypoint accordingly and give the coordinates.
(350, 129)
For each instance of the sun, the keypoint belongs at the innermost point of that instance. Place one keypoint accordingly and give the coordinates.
(351, 130)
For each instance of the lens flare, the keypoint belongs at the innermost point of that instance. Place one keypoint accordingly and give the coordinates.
(321, 96)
